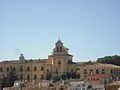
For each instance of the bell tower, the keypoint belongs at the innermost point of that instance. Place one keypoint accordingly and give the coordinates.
(60, 49)
(60, 58)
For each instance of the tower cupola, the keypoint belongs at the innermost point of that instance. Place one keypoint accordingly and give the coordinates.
(59, 48)
(21, 58)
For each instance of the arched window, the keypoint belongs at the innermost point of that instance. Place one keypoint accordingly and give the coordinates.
(60, 49)
(97, 71)
(57, 49)
(35, 76)
(35, 68)
(28, 77)
(42, 76)
(7, 68)
(28, 68)
(47, 70)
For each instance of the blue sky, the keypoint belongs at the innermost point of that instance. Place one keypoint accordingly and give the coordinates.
(89, 28)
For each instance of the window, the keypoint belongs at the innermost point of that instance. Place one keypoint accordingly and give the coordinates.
(78, 69)
(60, 49)
(42, 76)
(97, 71)
(103, 71)
(47, 70)
(21, 68)
(85, 71)
(1, 69)
(28, 69)
(35, 68)
(28, 77)
(7, 68)
(35, 76)
(57, 49)
(78, 75)
(111, 71)
(21, 76)
(91, 72)
(42, 68)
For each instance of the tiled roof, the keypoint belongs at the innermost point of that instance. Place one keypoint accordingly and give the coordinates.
(27, 61)
(99, 65)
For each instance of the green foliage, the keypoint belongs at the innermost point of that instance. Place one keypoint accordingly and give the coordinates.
(110, 60)
(69, 75)
(9, 80)
(56, 78)
(63, 76)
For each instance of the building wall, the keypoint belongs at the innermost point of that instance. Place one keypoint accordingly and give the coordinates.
(29, 70)
(86, 70)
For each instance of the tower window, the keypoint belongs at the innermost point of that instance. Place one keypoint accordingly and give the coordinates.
(60, 49)
(57, 49)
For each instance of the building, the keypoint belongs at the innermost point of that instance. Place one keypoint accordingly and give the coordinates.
(59, 62)
(98, 73)
(36, 69)
(98, 79)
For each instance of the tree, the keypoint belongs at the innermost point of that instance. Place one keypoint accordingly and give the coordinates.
(63, 76)
(10, 79)
(56, 78)
(68, 75)
(115, 60)
(48, 76)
